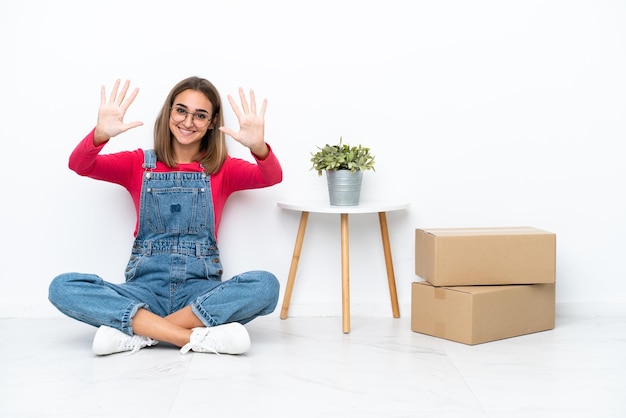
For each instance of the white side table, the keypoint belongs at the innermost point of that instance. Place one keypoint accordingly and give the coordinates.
(306, 207)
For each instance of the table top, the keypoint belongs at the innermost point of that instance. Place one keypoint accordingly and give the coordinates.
(322, 206)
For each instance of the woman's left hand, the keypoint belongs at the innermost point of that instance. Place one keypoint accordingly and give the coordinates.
(251, 126)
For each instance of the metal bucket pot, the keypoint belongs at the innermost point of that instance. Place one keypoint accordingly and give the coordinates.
(344, 187)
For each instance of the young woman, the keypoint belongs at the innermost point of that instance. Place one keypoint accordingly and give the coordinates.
(173, 290)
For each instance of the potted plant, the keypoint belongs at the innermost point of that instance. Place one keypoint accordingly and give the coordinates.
(344, 166)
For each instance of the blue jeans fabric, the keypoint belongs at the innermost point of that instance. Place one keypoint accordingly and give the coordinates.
(174, 263)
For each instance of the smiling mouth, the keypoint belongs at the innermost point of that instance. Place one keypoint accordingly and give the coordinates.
(186, 131)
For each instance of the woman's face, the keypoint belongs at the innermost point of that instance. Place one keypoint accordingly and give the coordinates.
(190, 117)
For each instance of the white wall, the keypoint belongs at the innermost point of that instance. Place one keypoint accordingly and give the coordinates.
(481, 113)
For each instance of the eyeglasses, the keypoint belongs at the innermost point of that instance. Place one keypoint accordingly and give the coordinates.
(200, 119)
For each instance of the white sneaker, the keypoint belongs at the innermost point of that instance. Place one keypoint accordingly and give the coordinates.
(110, 340)
(229, 338)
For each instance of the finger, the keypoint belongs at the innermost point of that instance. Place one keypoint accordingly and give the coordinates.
(114, 91)
(234, 106)
(227, 131)
(103, 95)
(263, 107)
(130, 99)
(252, 102)
(126, 127)
(244, 102)
(132, 125)
(122, 94)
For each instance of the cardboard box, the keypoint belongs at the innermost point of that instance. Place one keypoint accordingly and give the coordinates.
(485, 256)
(478, 314)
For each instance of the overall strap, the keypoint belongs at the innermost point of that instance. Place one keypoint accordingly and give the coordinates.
(149, 159)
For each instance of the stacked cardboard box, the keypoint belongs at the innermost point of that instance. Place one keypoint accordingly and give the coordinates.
(483, 284)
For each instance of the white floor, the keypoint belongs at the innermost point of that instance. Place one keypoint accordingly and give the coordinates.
(306, 367)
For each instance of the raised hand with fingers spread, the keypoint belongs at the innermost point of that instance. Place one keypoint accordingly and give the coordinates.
(251, 126)
(111, 113)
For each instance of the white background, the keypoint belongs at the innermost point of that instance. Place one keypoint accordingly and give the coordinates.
(479, 113)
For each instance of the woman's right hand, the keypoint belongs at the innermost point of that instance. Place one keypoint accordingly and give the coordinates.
(111, 113)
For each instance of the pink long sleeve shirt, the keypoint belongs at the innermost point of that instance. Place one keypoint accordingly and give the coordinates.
(125, 168)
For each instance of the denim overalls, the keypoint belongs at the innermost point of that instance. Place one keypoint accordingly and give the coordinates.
(174, 263)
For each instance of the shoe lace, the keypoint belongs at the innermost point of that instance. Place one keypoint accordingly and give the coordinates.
(200, 342)
(136, 343)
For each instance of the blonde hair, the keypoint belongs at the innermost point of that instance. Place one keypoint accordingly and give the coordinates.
(213, 152)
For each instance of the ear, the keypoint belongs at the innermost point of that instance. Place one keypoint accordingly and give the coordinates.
(212, 122)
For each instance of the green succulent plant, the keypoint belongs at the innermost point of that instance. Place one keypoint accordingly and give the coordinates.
(342, 157)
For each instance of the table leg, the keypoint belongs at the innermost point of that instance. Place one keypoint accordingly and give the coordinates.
(384, 231)
(345, 273)
(294, 264)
